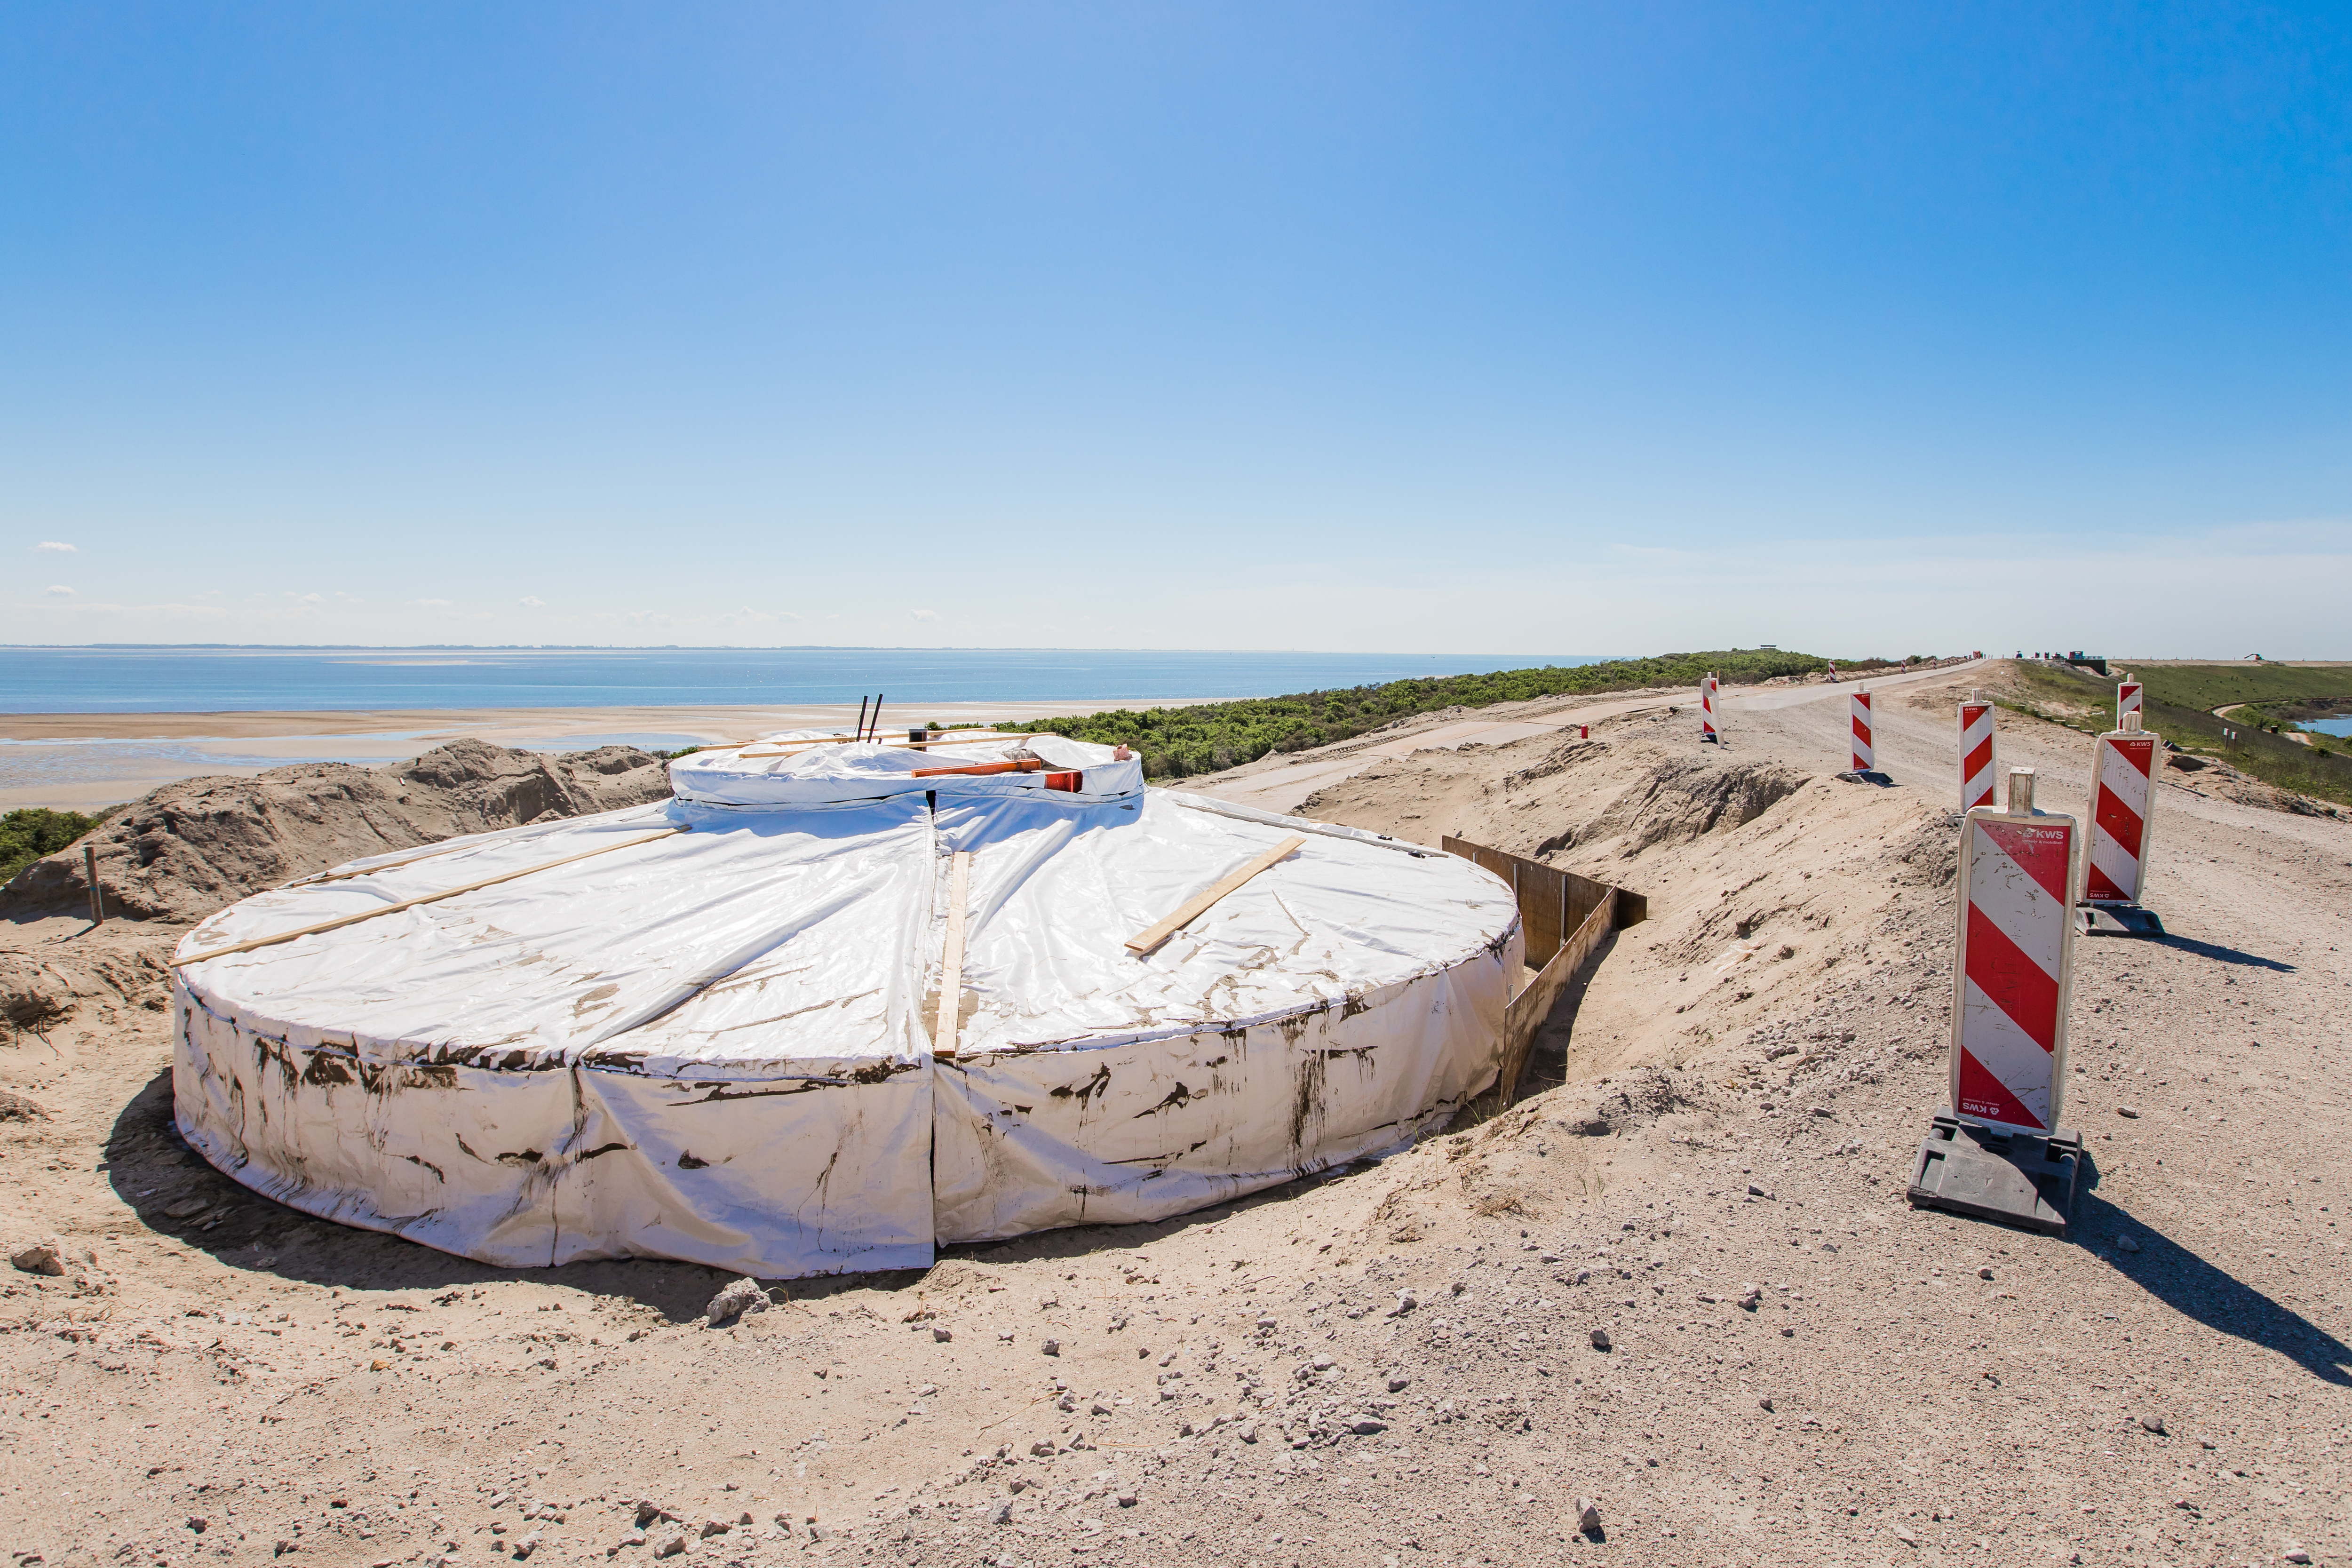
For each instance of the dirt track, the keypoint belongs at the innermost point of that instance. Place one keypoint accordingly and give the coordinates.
(1735, 1108)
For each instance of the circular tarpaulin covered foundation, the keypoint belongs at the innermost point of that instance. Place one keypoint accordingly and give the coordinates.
(703, 1030)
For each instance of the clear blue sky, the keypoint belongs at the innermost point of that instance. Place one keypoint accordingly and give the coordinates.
(1864, 329)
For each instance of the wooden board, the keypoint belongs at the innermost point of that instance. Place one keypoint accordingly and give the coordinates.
(337, 924)
(1147, 941)
(951, 1014)
(1529, 1009)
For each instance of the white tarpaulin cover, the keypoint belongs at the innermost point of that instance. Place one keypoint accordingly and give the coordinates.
(714, 1043)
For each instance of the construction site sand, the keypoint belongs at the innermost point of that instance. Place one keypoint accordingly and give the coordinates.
(1800, 1368)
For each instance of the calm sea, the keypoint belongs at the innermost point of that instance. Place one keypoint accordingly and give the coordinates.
(151, 679)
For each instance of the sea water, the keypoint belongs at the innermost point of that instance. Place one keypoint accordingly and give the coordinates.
(154, 679)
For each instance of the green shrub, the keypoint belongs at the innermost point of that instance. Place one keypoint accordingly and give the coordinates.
(31, 832)
(1177, 742)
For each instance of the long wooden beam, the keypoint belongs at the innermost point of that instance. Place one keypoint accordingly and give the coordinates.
(951, 1014)
(1148, 940)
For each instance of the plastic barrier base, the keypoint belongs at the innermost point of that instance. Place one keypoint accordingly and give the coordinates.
(2015, 1178)
(2116, 920)
(1865, 775)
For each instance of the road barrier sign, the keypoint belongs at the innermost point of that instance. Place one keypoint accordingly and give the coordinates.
(2123, 804)
(2128, 698)
(1858, 706)
(1706, 723)
(1976, 754)
(2000, 1152)
(2016, 963)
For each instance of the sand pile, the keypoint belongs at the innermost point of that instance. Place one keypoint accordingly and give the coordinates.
(183, 851)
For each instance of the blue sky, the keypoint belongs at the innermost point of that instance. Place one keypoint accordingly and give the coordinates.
(1864, 329)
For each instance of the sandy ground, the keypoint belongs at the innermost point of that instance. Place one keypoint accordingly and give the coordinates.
(1396, 1364)
(82, 761)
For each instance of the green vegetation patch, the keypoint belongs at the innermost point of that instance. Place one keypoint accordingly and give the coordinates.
(2083, 701)
(2212, 686)
(1177, 742)
(27, 833)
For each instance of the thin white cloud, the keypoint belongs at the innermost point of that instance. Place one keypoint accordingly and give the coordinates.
(310, 599)
(58, 588)
(924, 614)
(532, 602)
(57, 546)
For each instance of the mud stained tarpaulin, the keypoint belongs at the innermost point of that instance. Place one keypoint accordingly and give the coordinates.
(715, 1043)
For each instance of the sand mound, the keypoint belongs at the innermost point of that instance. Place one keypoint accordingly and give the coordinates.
(187, 849)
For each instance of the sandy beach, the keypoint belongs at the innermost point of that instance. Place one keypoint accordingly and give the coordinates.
(83, 761)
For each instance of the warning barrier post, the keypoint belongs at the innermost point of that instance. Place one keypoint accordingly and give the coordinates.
(1859, 724)
(1709, 731)
(2000, 1152)
(1976, 752)
(2123, 811)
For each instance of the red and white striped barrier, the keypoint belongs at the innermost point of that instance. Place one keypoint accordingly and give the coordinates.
(1976, 754)
(2126, 699)
(2016, 963)
(2123, 799)
(1707, 725)
(1858, 705)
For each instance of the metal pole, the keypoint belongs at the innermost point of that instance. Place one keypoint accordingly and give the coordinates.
(96, 894)
(860, 733)
(875, 728)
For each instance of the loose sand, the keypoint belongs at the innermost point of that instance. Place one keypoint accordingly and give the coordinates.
(1731, 1121)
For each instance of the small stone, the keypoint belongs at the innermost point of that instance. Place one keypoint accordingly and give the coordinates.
(2295, 1554)
(198, 1524)
(1765, 1405)
(378, 1364)
(2154, 1423)
(1752, 1297)
(1367, 1426)
(41, 1257)
(1249, 1432)
(1399, 1385)
(1043, 1448)
(525, 1546)
(1051, 1347)
(739, 1296)
(2130, 1111)
(941, 1335)
(1788, 1333)
(1000, 1514)
(1601, 1341)
(2126, 1244)
(1588, 1516)
(1407, 1300)
(743, 1518)
(711, 1527)
(1128, 1499)
(649, 1512)
(672, 1547)
(1756, 1192)
(1904, 1536)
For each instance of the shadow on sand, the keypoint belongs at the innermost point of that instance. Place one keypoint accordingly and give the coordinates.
(2196, 1289)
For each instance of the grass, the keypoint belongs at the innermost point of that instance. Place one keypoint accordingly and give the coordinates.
(1177, 742)
(2212, 686)
(2085, 701)
(31, 832)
